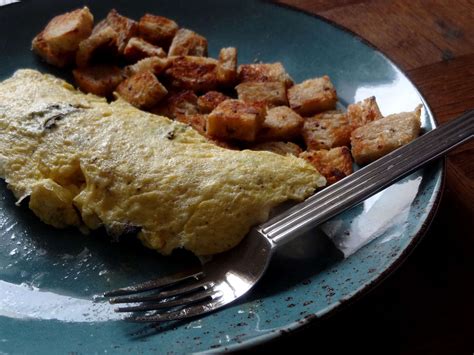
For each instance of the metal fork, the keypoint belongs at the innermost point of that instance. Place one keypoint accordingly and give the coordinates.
(230, 275)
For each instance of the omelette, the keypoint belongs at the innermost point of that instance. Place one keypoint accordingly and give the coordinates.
(88, 163)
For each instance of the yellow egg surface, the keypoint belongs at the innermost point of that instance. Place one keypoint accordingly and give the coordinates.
(87, 163)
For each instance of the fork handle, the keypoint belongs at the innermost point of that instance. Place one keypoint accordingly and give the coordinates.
(369, 180)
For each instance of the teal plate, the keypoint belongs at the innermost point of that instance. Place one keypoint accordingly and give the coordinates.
(49, 278)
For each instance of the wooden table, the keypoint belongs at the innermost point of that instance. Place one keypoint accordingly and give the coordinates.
(427, 305)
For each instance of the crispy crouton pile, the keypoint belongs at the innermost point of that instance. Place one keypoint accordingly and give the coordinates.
(157, 66)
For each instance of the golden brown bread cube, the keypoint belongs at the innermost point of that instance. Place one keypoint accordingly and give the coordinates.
(236, 119)
(142, 90)
(196, 121)
(334, 164)
(264, 72)
(327, 130)
(282, 148)
(210, 100)
(157, 29)
(154, 64)
(193, 73)
(59, 41)
(312, 96)
(125, 27)
(187, 42)
(272, 93)
(227, 69)
(51, 56)
(380, 137)
(363, 112)
(281, 123)
(100, 80)
(104, 39)
(100, 26)
(138, 48)
(182, 103)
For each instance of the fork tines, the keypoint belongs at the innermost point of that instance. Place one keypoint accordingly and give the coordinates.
(168, 295)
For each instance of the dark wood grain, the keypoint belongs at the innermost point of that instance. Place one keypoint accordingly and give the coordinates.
(427, 306)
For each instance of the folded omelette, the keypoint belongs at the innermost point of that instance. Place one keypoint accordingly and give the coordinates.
(84, 162)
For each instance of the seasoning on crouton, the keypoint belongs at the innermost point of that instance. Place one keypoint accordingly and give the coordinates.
(363, 112)
(264, 72)
(382, 136)
(138, 48)
(210, 100)
(58, 42)
(142, 90)
(282, 148)
(272, 93)
(187, 42)
(100, 80)
(196, 121)
(312, 96)
(182, 103)
(334, 164)
(157, 29)
(236, 119)
(227, 69)
(154, 64)
(281, 123)
(106, 39)
(327, 130)
(193, 73)
(125, 27)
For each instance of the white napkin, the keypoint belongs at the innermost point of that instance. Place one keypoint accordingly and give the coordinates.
(8, 2)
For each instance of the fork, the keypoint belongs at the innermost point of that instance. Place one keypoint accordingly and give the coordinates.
(230, 275)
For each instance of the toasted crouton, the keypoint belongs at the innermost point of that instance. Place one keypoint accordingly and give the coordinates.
(187, 42)
(154, 64)
(125, 27)
(196, 121)
(227, 69)
(282, 148)
(380, 137)
(104, 39)
(334, 164)
(281, 123)
(59, 41)
(327, 130)
(99, 80)
(142, 90)
(50, 55)
(193, 73)
(157, 29)
(100, 26)
(210, 100)
(312, 96)
(236, 119)
(272, 93)
(363, 112)
(264, 72)
(182, 103)
(138, 48)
